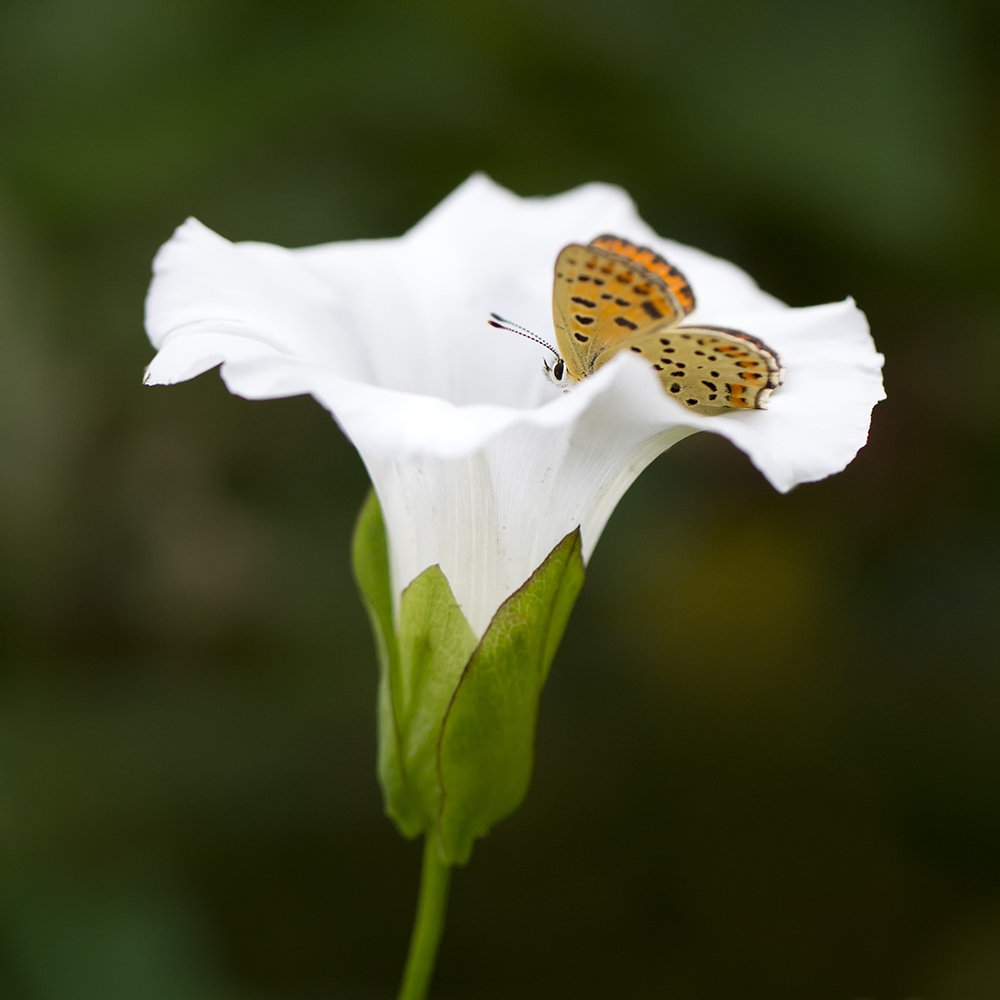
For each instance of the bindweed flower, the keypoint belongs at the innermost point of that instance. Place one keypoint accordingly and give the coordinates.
(479, 464)
(492, 485)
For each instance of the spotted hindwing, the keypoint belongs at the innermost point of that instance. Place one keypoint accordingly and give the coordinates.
(711, 369)
(608, 294)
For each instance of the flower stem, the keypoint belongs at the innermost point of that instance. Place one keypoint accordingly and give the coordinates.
(428, 924)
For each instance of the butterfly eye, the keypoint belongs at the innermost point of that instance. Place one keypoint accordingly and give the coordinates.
(558, 370)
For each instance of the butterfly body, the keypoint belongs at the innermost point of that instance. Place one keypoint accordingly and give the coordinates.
(614, 296)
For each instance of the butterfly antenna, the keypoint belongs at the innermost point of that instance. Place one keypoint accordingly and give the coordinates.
(505, 324)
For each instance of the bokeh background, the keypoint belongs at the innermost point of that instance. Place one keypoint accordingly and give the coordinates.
(795, 798)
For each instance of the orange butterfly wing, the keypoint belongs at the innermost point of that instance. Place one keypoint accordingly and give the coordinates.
(652, 262)
(606, 295)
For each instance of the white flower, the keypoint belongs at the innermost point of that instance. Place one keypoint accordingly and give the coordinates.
(480, 465)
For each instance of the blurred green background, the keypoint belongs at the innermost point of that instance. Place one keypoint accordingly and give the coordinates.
(188, 807)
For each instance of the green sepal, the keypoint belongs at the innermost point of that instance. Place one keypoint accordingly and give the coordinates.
(435, 643)
(370, 558)
(419, 668)
(487, 744)
(457, 718)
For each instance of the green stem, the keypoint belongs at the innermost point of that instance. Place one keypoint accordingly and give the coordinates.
(428, 924)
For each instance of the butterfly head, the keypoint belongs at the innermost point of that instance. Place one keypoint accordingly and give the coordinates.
(556, 373)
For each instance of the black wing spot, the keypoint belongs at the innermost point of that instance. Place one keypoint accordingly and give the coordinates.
(711, 385)
(651, 310)
(583, 301)
(584, 320)
(583, 338)
(606, 295)
(678, 374)
(598, 281)
(584, 277)
(622, 302)
(712, 396)
(714, 374)
(638, 350)
(675, 388)
(622, 321)
(659, 368)
(665, 341)
(691, 402)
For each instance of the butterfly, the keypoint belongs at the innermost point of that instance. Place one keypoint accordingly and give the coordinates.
(614, 296)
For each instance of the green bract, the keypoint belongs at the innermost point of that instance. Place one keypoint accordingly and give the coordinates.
(456, 715)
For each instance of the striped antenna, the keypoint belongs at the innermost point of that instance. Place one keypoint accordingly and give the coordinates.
(505, 324)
